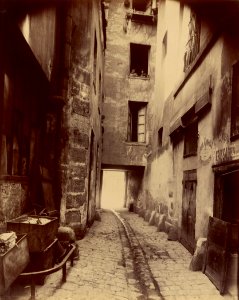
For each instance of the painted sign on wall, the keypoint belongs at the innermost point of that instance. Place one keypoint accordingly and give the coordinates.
(209, 151)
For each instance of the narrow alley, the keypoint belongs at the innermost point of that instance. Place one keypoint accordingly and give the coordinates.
(119, 149)
(117, 264)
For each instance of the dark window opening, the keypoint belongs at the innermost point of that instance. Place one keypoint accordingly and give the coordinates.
(235, 102)
(137, 122)
(139, 60)
(193, 44)
(226, 205)
(160, 137)
(191, 139)
(140, 5)
(230, 209)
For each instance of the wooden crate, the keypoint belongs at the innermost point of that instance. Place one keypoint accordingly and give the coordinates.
(40, 236)
(13, 262)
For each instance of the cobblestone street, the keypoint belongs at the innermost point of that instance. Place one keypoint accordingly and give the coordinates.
(105, 269)
(169, 262)
(100, 273)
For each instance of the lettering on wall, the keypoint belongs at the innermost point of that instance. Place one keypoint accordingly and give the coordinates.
(225, 154)
(209, 151)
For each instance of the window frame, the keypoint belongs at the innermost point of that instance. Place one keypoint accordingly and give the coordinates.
(190, 139)
(136, 109)
(193, 42)
(134, 69)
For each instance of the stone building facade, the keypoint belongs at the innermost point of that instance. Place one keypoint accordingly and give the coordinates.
(129, 85)
(192, 170)
(52, 65)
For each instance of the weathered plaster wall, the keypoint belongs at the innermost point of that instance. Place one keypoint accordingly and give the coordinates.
(120, 88)
(164, 173)
(163, 185)
(191, 92)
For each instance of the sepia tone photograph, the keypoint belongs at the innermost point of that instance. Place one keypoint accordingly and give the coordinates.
(119, 149)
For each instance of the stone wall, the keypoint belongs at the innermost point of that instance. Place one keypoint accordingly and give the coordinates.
(120, 87)
(61, 58)
(82, 117)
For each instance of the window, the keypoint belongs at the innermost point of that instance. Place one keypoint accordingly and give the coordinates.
(235, 102)
(192, 47)
(139, 60)
(160, 137)
(141, 5)
(137, 121)
(191, 139)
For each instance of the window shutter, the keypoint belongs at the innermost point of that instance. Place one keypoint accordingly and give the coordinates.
(129, 130)
(141, 124)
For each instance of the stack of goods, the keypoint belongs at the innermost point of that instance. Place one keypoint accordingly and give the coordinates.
(7, 241)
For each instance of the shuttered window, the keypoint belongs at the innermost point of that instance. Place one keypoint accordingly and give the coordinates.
(136, 122)
(141, 125)
(191, 139)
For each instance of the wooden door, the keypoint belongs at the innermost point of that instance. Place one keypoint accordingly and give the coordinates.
(189, 214)
(216, 260)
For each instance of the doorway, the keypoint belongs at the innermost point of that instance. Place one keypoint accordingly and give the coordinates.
(189, 210)
(113, 189)
(226, 203)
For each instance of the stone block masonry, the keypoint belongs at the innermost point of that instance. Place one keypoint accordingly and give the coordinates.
(76, 185)
(75, 200)
(82, 120)
(80, 107)
(78, 155)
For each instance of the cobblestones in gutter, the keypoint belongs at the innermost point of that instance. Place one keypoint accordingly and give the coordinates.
(149, 286)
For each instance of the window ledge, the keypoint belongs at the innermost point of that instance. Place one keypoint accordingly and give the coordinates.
(189, 155)
(135, 143)
(139, 77)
